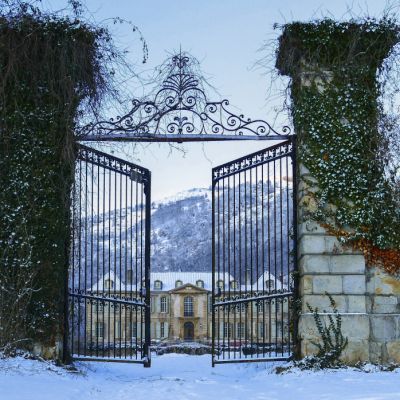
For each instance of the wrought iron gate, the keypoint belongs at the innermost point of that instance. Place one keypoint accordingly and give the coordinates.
(109, 275)
(254, 256)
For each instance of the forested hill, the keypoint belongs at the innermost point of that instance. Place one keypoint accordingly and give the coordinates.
(181, 232)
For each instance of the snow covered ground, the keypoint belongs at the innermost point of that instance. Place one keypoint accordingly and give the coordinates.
(186, 377)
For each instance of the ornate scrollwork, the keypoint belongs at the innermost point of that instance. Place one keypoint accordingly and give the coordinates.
(180, 107)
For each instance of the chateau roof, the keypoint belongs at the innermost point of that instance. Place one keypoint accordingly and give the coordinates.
(169, 280)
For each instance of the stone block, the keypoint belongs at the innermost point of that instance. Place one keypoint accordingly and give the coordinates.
(314, 264)
(355, 326)
(308, 348)
(354, 284)
(348, 264)
(310, 226)
(383, 328)
(303, 170)
(308, 203)
(323, 303)
(355, 352)
(379, 282)
(310, 186)
(306, 285)
(307, 327)
(385, 304)
(393, 351)
(376, 352)
(356, 304)
(327, 283)
(321, 244)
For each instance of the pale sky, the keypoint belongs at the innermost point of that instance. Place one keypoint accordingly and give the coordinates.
(225, 36)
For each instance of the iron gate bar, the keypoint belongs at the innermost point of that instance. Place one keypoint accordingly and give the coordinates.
(250, 194)
(256, 298)
(106, 318)
(109, 300)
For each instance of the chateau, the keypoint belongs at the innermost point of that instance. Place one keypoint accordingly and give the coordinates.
(181, 310)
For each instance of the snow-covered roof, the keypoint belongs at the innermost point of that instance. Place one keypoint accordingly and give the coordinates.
(169, 280)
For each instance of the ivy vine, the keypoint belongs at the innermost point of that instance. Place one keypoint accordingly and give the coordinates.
(55, 69)
(337, 109)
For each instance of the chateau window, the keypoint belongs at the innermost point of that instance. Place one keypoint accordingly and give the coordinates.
(220, 284)
(162, 329)
(163, 304)
(269, 284)
(134, 330)
(129, 277)
(234, 285)
(157, 285)
(117, 329)
(240, 330)
(100, 329)
(98, 307)
(178, 283)
(200, 283)
(109, 284)
(261, 329)
(188, 306)
(227, 330)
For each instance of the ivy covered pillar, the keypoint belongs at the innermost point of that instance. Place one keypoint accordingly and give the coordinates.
(349, 216)
(48, 66)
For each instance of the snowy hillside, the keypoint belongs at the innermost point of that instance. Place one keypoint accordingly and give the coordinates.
(182, 231)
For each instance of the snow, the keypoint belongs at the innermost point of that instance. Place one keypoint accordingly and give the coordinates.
(186, 377)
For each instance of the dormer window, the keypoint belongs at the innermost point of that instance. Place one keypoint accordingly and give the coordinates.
(200, 284)
(178, 283)
(234, 285)
(109, 284)
(220, 284)
(157, 285)
(269, 284)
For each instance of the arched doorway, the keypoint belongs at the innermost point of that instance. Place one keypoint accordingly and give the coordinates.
(188, 331)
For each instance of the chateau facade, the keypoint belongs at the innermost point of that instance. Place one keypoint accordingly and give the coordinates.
(181, 310)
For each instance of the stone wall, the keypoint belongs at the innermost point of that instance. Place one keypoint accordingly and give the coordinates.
(367, 298)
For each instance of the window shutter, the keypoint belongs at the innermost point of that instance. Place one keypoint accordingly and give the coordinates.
(167, 305)
(152, 301)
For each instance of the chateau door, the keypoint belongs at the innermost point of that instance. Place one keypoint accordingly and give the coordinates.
(188, 331)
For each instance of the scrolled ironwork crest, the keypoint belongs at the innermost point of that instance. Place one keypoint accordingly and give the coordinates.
(180, 110)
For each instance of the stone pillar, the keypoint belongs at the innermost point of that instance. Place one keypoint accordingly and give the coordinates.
(367, 298)
(325, 266)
